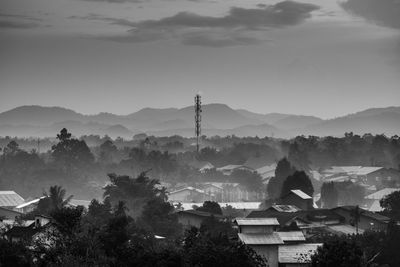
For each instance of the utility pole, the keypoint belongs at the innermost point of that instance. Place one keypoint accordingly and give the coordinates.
(197, 118)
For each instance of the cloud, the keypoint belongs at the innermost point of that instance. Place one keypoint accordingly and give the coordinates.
(282, 14)
(16, 21)
(238, 27)
(5, 24)
(117, 1)
(382, 12)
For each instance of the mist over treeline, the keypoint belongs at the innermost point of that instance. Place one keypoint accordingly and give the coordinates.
(81, 165)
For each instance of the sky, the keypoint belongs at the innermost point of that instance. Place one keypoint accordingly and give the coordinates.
(324, 58)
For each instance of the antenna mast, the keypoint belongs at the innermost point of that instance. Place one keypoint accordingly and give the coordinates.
(197, 118)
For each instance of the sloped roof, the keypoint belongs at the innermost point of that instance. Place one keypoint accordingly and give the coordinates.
(266, 168)
(300, 253)
(10, 199)
(235, 205)
(260, 239)
(375, 206)
(365, 213)
(301, 194)
(378, 195)
(292, 236)
(344, 229)
(285, 208)
(34, 201)
(352, 170)
(188, 188)
(79, 202)
(200, 213)
(257, 221)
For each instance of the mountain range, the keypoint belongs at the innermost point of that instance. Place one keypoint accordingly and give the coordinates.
(217, 119)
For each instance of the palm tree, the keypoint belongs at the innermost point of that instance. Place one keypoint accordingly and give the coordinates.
(57, 197)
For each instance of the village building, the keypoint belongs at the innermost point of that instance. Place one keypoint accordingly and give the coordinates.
(299, 199)
(229, 169)
(41, 228)
(10, 199)
(6, 214)
(368, 220)
(373, 200)
(279, 248)
(189, 194)
(194, 218)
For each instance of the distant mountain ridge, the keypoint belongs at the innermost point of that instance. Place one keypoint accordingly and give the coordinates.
(218, 119)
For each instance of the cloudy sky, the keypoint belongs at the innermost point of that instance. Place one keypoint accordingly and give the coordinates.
(324, 58)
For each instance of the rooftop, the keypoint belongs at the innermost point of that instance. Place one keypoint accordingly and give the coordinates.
(260, 239)
(285, 208)
(10, 199)
(365, 213)
(378, 195)
(301, 194)
(300, 253)
(292, 236)
(257, 221)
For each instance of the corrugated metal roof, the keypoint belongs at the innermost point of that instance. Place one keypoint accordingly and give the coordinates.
(257, 221)
(300, 253)
(79, 202)
(10, 199)
(235, 205)
(345, 229)
(301, 194)
(382, 193)
(375, 206)
(260, 239)
(292, 236)
(285, 208)
(34, 201)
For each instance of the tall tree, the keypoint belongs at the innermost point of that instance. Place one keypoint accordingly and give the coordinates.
(391, 204)
(298, 180)
(135, 192)
(71, 153)
(282, 171)
(55, 199)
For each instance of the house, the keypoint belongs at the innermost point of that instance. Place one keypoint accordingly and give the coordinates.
(229, 169)
(363, 174)
(189, 194)
(296, 255)
(284, 208)
(299, 199)
(260, 234)
(10, 199)
(309, 222)
(373, 200)
(257, 225)
(28, 206)
(8, 214)
(34, 231)
(266, 172)
(279, 248)
(194, 218)
(292, 237)
(368, 220)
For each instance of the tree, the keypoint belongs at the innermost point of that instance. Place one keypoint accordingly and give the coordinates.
(391, 204)
(338, 253)
(329, 195)
(135, 192)
(55, 199)
(298, 157)
(250, 179)
(108, 152)
(282, 171)
(159, 217)
(299, 180)
(71, 153)
(211, 207)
